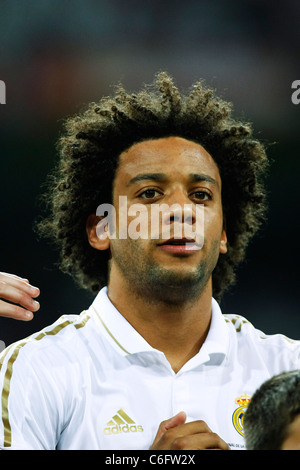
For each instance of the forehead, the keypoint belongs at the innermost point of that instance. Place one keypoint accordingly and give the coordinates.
(169, 155)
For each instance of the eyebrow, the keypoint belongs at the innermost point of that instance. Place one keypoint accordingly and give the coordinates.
(161, 177)
(195, 177)
(148, 176)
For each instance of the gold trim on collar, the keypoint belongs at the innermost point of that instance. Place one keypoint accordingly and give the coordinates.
(109, 332)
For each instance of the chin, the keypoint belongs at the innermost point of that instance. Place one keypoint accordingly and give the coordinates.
(176, 286)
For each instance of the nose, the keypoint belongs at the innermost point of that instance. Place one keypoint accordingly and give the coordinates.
(179, 209)
(178, 213)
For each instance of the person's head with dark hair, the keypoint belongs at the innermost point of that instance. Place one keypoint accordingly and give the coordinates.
(272, 419)
(90, 150)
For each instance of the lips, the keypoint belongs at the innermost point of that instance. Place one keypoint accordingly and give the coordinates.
(180, 246)
(177, 241)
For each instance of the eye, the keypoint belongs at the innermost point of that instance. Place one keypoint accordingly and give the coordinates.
(202, 195)
(149, 194)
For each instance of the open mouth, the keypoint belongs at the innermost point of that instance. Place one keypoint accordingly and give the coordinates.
(180, 246)
(177, 241)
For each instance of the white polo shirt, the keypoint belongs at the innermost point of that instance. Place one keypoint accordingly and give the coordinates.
(91, 381)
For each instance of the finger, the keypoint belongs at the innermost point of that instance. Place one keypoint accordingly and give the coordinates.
(165, 439)
(21, 296)
(13, 276)
(19, 283)
(170, 423)
(200, 441)
(190, 436)
(10, 278)
(14, 311)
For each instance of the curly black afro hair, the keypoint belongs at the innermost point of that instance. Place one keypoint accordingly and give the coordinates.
(89, 150)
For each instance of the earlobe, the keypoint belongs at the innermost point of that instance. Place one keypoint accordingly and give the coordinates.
(223, 243)
(97, 232)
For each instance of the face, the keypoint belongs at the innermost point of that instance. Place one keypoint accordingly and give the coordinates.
(292, 441)
(174, 172)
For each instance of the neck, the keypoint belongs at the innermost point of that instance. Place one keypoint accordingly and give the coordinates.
(178, 330)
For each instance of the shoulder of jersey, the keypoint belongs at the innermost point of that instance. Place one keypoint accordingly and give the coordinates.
(244, 327)
(63, 329)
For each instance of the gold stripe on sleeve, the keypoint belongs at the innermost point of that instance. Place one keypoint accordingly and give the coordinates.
(10, 364)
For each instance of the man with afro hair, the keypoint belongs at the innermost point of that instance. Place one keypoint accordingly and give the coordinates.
(152, 363)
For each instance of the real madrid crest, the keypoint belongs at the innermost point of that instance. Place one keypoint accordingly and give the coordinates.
(238, 415)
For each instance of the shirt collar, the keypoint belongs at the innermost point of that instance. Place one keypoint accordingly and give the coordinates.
(118, 330)
(216, 344)
(126, 340)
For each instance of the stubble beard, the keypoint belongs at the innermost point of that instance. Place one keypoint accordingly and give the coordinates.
(153, 283)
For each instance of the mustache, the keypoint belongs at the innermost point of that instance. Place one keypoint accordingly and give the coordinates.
(180, 233)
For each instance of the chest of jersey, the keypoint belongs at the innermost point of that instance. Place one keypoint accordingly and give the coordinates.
(122, 407)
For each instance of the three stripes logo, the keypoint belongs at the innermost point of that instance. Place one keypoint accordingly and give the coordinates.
(121, 422)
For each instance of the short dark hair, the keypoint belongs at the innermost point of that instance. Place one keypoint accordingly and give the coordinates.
(272, 409)
(89, 150)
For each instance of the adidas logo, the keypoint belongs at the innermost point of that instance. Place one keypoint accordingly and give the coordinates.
(121, 422)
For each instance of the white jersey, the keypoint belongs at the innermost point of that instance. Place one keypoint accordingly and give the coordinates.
(91, 381)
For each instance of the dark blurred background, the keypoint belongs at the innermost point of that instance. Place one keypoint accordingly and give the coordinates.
(56, 56)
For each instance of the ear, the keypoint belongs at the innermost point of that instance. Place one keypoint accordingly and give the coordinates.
(97, 232)
(223, 243)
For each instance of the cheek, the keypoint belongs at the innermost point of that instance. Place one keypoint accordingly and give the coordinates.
(139, 223)
(132, 221)
(213, 225)
(128, 249)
